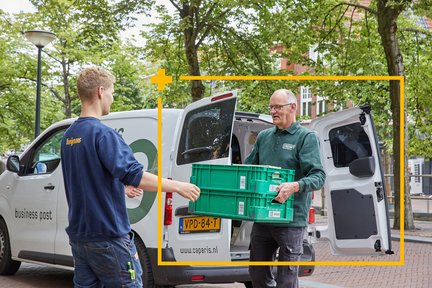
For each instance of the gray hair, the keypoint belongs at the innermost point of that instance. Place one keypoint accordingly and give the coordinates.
(291, 98)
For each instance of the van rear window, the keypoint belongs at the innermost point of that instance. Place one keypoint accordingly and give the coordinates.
(348, 143)
(206, 133)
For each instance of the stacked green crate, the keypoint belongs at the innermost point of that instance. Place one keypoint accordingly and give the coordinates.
(242, 192)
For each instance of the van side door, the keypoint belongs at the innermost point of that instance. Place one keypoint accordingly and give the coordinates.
(33, 199)
(355, 188)
(204, 136)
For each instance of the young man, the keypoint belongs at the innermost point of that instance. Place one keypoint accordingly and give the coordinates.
(98, 167)
(287, 145)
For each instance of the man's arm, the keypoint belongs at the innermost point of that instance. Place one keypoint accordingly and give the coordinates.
(149, 182)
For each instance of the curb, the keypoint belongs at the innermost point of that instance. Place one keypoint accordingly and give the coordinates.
(420, 216)
(413, 239)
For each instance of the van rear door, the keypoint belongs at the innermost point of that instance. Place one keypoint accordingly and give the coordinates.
(204, 136)
(355, 188)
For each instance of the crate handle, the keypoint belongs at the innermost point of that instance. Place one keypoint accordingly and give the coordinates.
(276, 175)
(275, 202)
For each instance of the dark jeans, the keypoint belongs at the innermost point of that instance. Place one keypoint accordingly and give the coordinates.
(265, 240)
(106, 263)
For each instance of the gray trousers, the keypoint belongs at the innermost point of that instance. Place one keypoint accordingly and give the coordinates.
(265, 240)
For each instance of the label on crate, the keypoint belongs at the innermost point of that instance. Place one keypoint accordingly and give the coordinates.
(241, 208)
(274, 214)
(242, 182)
(273, 187)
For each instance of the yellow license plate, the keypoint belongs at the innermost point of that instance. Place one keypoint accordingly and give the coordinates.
(199, 225)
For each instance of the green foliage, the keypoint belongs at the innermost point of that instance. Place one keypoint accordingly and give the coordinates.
(87, 33)
(352, 46)
(230, 38)
(16, 94)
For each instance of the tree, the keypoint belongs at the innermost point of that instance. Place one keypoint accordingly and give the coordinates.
(388, 13)
(87, 33)
(17, 91)
(217, 37)
(382, 18)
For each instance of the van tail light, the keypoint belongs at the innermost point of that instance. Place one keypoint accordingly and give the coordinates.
(311, 215)
(168, 208)
(197, 277)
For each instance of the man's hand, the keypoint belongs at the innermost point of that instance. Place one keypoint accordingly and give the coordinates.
(132, 191)
(188, 191)
(149, 182)
(285, 190)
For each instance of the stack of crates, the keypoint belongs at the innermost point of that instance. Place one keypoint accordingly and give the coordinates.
(241, 192)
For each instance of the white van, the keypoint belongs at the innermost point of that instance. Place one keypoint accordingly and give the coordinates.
(33, 208)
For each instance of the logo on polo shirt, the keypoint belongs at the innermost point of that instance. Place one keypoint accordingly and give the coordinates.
(288, 146)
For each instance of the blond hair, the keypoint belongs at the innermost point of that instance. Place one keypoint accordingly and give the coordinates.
(92, 78)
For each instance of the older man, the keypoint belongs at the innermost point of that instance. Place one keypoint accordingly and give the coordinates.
(290, 146)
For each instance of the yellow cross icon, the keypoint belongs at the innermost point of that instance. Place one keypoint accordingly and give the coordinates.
(161, 79)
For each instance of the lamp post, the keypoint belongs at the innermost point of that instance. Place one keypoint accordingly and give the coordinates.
(40, 39)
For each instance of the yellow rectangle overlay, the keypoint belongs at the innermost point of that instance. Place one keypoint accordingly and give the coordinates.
(285, 263)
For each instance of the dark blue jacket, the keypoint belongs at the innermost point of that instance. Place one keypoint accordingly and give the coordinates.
(96, 164)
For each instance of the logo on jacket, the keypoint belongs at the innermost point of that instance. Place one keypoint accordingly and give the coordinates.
(72, 141)
(288, 146)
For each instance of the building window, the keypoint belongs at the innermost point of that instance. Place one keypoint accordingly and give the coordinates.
(321, 106)
(417, 172)
(306, 101)
(278, 63)
(313, 54)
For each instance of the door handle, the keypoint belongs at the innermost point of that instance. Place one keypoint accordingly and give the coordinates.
(49, 187)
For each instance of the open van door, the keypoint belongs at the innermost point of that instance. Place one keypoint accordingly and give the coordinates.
(204, 136)
(355, 188)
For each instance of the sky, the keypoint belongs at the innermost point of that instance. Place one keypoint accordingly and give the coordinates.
(16, 6)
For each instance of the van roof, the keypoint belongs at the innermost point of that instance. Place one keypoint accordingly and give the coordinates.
(127, 114)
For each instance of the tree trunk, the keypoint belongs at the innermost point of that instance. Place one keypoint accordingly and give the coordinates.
(188, 14)
(387, 28)
(66, 90)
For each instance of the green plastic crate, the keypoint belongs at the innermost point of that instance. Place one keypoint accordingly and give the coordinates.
(239, 177)
(241, 192)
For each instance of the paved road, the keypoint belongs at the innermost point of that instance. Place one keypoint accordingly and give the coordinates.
(415, 273)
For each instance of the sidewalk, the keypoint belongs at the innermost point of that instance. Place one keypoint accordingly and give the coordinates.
(421, 234)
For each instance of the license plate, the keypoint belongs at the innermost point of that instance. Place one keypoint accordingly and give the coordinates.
(199, 225)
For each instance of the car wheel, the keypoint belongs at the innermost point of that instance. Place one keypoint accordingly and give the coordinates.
(7, 265)
(147, 276)
(248, 284)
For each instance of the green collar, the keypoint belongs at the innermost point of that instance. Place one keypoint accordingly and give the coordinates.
(291, 130)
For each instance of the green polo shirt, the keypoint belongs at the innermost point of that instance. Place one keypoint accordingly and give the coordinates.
(295, 148)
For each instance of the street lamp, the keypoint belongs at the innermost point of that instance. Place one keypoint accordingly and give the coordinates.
(40, 39)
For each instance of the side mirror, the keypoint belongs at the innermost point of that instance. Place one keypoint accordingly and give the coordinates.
(13, 163)
(363, 167)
